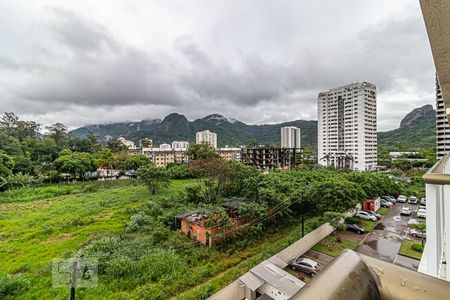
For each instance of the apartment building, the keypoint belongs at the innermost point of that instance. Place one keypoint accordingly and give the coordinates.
(206, 136)
(442, 126)
(290, 137)
(163, 157)
(268, 159)
(128, 143)
(229, 153)
(347, 127)
(180, 145)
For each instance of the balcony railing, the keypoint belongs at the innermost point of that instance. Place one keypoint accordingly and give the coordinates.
(437, 249)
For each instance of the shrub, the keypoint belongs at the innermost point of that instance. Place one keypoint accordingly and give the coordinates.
(12, 285)
(354, 220)
(137, 221)
(417, 247)
(89, 188)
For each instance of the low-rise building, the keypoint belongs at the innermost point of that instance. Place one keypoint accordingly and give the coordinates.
(162, 158)
(229, 153)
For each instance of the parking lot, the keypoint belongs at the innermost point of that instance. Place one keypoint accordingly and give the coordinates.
(385, 240)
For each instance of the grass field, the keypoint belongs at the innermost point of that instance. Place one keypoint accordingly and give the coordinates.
(407, 250)
(139, 258)
(330, 246)
(383, 210)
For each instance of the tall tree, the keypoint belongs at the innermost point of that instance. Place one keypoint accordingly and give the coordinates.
(153, 177)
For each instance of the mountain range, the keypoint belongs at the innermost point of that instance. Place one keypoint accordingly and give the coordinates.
(416, 130)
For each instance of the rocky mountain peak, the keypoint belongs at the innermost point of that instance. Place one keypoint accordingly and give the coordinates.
(417, 114)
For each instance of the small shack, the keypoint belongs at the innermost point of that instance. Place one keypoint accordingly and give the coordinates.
(268, 280)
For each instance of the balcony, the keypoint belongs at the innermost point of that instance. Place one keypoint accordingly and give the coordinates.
(437, 249)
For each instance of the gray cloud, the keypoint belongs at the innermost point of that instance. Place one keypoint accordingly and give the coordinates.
(258, 63)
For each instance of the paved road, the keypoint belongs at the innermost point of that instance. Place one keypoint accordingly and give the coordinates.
(385, 240)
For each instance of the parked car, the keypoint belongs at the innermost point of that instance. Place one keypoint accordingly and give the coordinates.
(418, 233)
(422, 213)
(385, 203)
(378, 216)
(402, 199)
(423, 202)
(412, 200)
(306, 265)
(389, 198)
(354, 228)
(422, 207)
(413, 222)
(365, 215)
(406, 211)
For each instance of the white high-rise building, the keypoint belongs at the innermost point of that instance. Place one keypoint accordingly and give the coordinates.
(180, 145)
(442, 127)
(206, 136)
(290, 137)
(347, 127)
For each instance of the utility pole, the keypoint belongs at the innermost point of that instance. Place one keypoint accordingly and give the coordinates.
(302, 195)
(73, 287)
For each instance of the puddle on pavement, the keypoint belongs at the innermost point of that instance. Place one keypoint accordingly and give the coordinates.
(380, 226)
(385, 246)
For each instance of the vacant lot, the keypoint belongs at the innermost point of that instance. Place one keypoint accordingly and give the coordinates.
(128, 231)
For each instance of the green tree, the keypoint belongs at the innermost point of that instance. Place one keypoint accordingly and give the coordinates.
(421, 227)
(104, 158)
(77, 164)
(58, 132)
(212, 175)
(339, 195)
(335, 220)
(153, 177)
(6, 164)
(201, 151)
(134, 162)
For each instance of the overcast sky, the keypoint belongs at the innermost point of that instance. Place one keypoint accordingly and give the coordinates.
(260, 61)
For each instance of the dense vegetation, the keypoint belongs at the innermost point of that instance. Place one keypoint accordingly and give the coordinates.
(131, 231)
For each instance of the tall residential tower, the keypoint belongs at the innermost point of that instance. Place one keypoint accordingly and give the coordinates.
(290, 137)
(206, 136)
(347, 127)
(442, 127)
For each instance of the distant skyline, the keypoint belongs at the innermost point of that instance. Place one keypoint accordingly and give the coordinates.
(258, 61)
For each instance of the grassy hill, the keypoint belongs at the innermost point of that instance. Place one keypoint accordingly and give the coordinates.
(98, 219)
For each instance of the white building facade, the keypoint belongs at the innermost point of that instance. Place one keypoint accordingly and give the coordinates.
(206, 136)
(128, 143)
(180, 145)
(442, 126)
(347, 127)
(290, 137)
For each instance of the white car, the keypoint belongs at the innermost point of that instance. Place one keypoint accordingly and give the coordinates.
(418, 233)
(422, 213)
(365, 215)
(423, 202)
(402, 199)
(412, 200)
(405, 211)
(413, 222)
